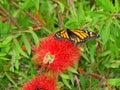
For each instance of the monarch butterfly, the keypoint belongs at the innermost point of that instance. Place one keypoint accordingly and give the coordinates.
(76, 36)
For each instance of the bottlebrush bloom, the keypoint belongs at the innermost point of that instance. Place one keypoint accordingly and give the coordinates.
(23, 47)
(57, 55)
(42, 82)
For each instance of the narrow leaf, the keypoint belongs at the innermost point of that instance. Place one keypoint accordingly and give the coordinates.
(73, 70)
(64, 76)
(71, 78)
(117, 6)
(92, 51)
(36, 40)
(106, 32)
(61, 6)
(66, 83)
(37, 4)
(82, 81)
(2, 54)
(107, 5)
(114, 82)
(4, 58)
(7, 40)
(19, 48)
(27, 44)
(85, 57)
(17, 64)
(10, 79)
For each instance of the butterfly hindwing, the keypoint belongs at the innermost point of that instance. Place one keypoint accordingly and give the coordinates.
(76, 36)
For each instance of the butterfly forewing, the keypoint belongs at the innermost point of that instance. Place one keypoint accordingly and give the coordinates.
(81, 34)
(62, 34)
(76, 36)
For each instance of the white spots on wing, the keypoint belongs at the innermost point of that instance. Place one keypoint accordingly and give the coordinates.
(90, 33)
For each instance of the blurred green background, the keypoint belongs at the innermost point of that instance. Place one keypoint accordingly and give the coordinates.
(18, 23)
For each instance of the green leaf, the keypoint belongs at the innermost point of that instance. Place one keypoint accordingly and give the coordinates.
(27, 4)
(2, 54)
(85, 57)
(17, 64)
(71, 78)
(106, 88)
(105, 34)
(46, 30)
(60, 84)
(115, 64)
(36, 40)
(73, 70)
(76, 65)
(105, 53)
(81, 13)
(10, 79)
(64, 76)
(17, 35)
(92, 51)
(17, 45)
(114, 82)
(7, 40)
(70, 23)
(73, 13)
(117, 6)
(22, 74)
(61, 6)
(107, 5)
(4, 58)
(82, 81)
(66, 83)
(26, 43)
(37, 2)
(1, 66)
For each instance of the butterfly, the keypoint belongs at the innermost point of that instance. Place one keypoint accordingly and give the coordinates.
(77, 36)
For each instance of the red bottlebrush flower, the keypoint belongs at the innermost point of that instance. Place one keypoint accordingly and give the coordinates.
(23, 47)
(57, 54)
(42, 82)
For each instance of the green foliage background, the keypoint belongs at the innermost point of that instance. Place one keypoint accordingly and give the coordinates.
(101, 56)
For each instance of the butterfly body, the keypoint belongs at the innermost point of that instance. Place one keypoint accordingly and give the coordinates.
(76, 36)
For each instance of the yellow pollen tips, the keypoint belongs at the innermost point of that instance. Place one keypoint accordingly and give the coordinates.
(48, 58)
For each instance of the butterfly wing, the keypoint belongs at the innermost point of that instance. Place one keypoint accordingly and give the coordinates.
(76, 36)
(82, 36)
(62, 34)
